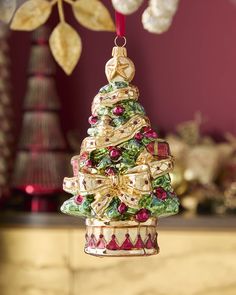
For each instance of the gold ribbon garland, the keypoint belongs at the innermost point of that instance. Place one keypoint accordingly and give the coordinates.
(119, 135)
(113, 97)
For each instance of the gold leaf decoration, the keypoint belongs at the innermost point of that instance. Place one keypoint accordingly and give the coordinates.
(93, 15)
(7, 8)
(66, 46)
(31, 15)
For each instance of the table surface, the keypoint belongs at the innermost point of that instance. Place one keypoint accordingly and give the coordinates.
(57, 220)
(43, 254)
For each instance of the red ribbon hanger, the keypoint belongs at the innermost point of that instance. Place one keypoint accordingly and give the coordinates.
(120, 24)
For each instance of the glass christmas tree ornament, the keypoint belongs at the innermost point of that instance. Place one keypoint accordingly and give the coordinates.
(126, 187)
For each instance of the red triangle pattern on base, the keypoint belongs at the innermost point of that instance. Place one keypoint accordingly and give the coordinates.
(112, 245)
(139, 243)
(101, 244)
(127, 245)
(149, 243)
(92, 242)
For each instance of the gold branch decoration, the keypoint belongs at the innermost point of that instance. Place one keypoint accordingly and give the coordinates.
(31, 15)
(65, 43)
(93, 16)
(66, 51)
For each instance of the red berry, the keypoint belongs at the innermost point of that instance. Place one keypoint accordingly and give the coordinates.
(160, 193)
(146, 128)
(150, 134)
(138, 136)
(142, 215)
(93, 120)
(110, 171)
(115, 153)
(118, 110)
(122, 208)
(79, 199)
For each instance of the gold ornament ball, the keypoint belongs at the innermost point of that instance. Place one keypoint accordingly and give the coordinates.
(120, 67)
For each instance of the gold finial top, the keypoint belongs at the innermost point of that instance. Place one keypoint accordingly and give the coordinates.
(119, 67)
(119, 51)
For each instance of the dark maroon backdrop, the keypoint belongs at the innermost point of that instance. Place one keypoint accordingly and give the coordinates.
(190, 68)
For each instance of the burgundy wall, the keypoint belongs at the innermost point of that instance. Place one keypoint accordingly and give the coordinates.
(191, 67)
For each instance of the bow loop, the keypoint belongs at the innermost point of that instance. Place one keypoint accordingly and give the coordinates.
(91, 183)
(137, 179)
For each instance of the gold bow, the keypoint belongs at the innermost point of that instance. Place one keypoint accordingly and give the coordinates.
(111, 98)
(128, 187)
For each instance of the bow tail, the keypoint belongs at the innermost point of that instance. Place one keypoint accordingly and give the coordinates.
(129, 200)
(101, 202)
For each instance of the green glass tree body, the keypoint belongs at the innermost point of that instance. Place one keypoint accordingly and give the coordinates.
(161, 201)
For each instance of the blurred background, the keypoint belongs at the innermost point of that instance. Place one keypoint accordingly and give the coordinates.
(186, 77)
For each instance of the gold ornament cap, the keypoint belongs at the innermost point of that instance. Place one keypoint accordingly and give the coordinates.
(119, 67)
(119, 51)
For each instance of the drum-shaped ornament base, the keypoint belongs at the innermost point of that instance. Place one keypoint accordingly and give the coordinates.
(121, 238)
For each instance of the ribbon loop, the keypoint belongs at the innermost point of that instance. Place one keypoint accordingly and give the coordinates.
(120, 24)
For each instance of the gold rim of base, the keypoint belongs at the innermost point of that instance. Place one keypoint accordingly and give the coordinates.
(122, 253)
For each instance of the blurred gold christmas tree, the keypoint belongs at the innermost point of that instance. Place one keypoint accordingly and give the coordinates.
(42, 158)
(6, 114)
